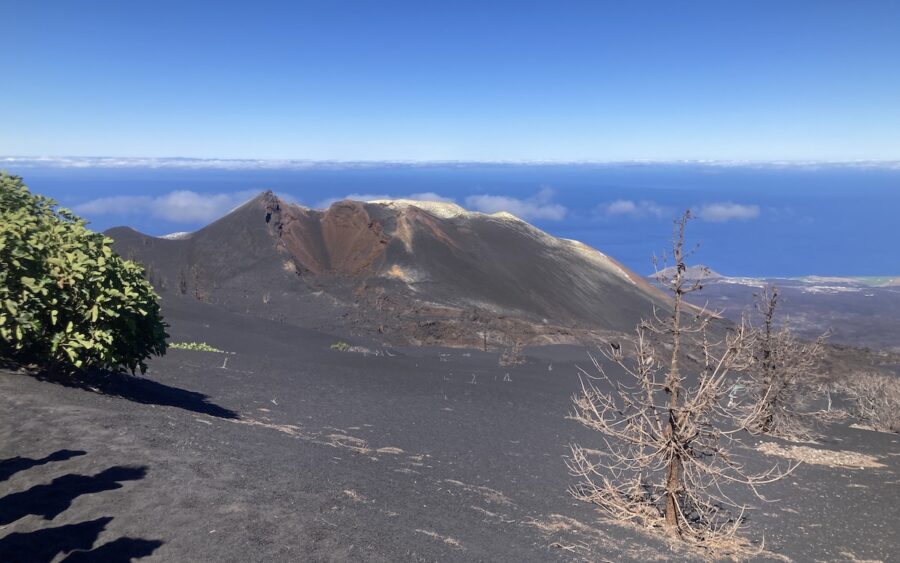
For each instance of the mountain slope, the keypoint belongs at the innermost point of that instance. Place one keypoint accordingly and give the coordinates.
(417, 272)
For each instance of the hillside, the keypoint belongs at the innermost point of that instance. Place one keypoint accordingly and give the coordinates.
(400, 271)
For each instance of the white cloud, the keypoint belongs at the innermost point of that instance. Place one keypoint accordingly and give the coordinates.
(538, 206)
(422, 196)
(629, 208)
(716, 212)
(722, 212)
(181, 206)
(123, 205)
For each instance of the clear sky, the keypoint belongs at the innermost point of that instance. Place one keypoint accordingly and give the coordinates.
(369, 80)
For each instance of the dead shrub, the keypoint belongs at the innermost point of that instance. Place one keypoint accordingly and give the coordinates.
(875, 399)
(781, 382)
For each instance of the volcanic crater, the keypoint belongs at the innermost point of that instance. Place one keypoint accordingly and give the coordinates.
(402, 272)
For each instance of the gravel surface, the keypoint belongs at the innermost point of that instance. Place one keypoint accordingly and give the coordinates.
(286, 450)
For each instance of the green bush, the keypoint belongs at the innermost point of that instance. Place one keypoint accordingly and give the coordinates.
(66, 299)
(340, 346)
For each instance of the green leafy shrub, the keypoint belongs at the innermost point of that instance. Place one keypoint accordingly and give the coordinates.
(197, 346)
(340, 346)
(66, 299)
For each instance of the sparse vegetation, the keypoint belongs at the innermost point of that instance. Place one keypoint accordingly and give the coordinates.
(344, 347)
(512, 351)
(665, 463)
(780, 382)
(875, 399)
(196, 346)
(512, 356)
(68, 301)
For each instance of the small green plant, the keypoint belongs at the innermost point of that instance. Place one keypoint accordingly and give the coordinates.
(341, 346)
(196, 346)
(67, 301)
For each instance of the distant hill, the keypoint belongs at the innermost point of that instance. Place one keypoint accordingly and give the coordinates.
(855, 311)
(402, 271)
(697, 272)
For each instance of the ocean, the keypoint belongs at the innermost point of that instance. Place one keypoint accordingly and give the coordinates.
(754, 220)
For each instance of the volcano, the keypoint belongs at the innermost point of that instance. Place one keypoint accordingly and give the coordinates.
(401, 271)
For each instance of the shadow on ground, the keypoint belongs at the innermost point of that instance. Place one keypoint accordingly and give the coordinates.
(11, 466)
(137, 389)
(50, 500)
(125, 386)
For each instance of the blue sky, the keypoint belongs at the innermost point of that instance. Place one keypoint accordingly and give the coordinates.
(757, 80)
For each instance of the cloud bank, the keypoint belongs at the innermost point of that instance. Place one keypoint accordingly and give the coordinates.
(726, 211)
(716, 212)
(630, 208)
(538, 206)
(298, 164)
(180, 206)
(189, 207)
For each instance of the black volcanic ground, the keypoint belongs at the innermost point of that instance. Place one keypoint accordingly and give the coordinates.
(286, 450)
(295, 452)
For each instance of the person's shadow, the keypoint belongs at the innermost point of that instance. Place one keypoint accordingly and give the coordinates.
(11, 466)
(49, 500)
(75, 539)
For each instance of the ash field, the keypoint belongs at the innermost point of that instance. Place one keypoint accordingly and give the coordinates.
(392, 383)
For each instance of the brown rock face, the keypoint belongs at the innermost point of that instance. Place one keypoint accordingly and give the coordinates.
(344, 240)
(353, 240)
(407, 271)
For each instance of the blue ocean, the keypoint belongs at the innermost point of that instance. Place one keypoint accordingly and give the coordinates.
(752, 220)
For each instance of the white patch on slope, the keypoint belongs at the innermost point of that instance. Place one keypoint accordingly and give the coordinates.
(177, 236)
(443, 209)
(506, 216)
(598, 258)
(404, 273)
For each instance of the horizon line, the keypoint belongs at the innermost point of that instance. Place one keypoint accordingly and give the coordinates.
(299, 163)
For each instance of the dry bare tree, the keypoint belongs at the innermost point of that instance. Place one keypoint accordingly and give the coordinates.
(875, 399)
(781, 382)
(665, 461)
